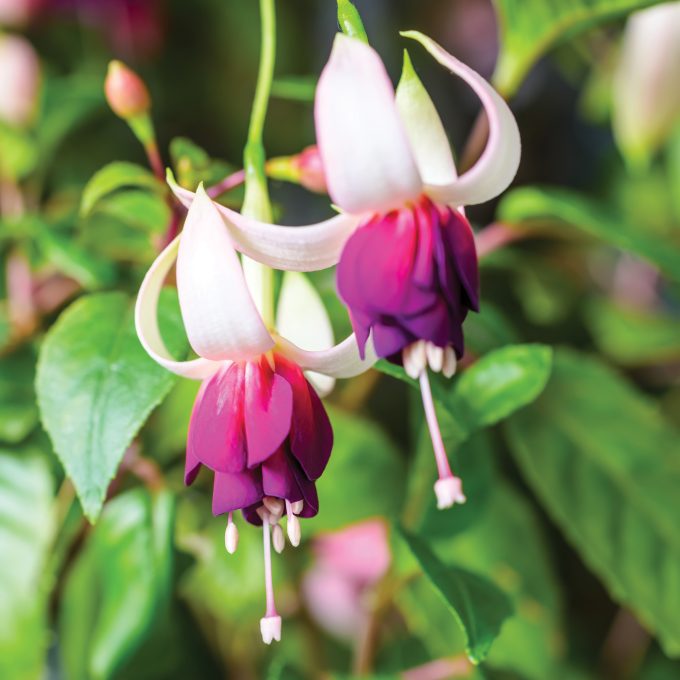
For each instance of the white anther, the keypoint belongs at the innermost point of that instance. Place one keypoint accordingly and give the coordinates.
(270, 627)
(414, 359)
(294, 530)
(449, 490)
(274, 505)
(449, 367)
(231, 537)
(278, 539)
(435, 357)
(297, 507)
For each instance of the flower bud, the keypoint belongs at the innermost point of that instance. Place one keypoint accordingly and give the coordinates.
(310, 167)
(19, 80)
(126, 92)
(646, 92)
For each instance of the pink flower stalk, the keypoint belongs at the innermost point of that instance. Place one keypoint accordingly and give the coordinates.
(19, 80)
(257, 422)
(407, 262)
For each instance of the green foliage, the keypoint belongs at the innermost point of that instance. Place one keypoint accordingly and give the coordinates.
(350, 21)
(96, 386)
(119, 586)
(606, 466)
(529, 28)
(18, 410)
(113, 177)
(347, 497)
(560, 208)
(480, 607)
(26, 528)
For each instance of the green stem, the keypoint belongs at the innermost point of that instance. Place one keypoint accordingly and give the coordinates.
(256, 202)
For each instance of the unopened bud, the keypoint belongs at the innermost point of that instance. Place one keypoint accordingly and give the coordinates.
(310, 167)
(19, 80)
(126, 92)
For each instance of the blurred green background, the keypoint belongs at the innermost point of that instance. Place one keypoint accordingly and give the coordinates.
(564, 563)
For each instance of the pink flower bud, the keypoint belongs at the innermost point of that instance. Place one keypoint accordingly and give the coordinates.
(310, 167)
(19, 80)
(126, 92)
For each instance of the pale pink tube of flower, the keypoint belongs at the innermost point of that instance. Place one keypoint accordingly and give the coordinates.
(19, 80)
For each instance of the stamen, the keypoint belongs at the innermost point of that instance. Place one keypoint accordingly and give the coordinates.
(270, 624)
(231, 535)
(414, 358)
(274, 505)
(450, 362)
(278, 539)
(435, 357)
(293, 523)
(448, 488)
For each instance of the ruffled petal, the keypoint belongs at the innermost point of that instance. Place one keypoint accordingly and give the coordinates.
(268, 410)
(302, 318)
(497, 166)
(424, 128)
(340, 361)
(367, 159)
(221, 319)
(303, 249)
(146, 321)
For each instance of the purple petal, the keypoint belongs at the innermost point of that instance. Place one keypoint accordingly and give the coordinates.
(267, 411)
(216, 435)
(236, 490)
(460, 242)
(278, 478)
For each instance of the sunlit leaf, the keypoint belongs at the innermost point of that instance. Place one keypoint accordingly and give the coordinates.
(607, 468)
(18, 411)
(96, 387)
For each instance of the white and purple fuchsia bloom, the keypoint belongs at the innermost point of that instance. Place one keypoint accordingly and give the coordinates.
(257, 423)
(407, 264)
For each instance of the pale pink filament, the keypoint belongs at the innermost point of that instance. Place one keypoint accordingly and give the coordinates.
(268, 582)
(433, 424)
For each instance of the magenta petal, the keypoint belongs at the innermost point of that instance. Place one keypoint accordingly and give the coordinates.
(192, 466)
(216, 437)
(236, 490)
(460, 242)
(311, 434)
(278, 478)
(308, 488)
(268, 410)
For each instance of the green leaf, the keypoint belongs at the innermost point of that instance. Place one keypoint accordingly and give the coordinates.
(362, 454)
(507, 542)
(112, 177)
(491, 389)
(18, 411)
(119, 585)
(26, 528)
(142, 210)
(568, 208)
(529, 28)
(479, 606)
(633, 336)
(96, 387)
(607, 468)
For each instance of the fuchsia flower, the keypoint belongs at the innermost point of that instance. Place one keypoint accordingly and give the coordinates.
(258, 422)
(407, 265)
(19, 80)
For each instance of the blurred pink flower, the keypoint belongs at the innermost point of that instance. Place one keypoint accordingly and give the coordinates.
(19, 80)
(17, 12)
(347, 564)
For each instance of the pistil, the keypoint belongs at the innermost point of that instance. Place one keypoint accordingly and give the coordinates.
(270, 624)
